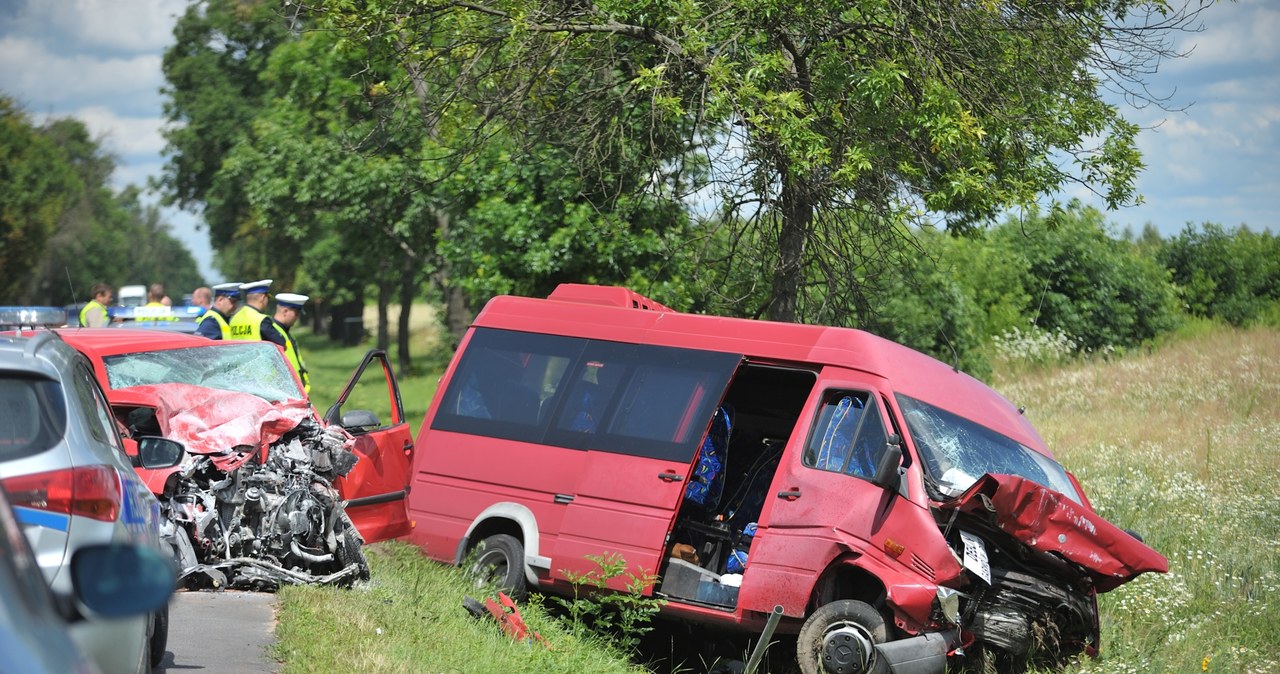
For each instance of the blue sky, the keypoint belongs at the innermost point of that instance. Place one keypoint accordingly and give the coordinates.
(99, 60)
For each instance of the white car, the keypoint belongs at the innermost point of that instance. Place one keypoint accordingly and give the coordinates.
(72, 485)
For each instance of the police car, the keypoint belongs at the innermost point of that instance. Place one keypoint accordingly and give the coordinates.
(72, 484)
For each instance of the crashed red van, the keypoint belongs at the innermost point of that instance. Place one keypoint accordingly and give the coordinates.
(898, 511)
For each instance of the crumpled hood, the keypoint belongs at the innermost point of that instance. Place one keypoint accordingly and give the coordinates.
(1048, 521)
(213, 421)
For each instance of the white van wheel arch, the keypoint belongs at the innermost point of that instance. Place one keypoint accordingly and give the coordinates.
(522, 517)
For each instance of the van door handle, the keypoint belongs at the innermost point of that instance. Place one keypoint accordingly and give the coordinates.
(564, 498)
(789, 494)
(670, 476)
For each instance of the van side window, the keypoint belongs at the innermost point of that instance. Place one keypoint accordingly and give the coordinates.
(849, 436)
(579, 393)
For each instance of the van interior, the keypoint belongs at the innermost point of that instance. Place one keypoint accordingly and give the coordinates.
(710, 542)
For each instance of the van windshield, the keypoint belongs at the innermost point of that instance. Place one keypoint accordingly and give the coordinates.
(957, 451)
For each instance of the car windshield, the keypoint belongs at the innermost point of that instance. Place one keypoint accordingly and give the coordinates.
(257, 368)
(957, 451)
(33, 416)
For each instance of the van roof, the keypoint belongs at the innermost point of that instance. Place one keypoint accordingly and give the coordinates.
(618, 314)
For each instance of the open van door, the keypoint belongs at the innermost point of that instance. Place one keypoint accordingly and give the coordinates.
(651, 407)
(375, 490)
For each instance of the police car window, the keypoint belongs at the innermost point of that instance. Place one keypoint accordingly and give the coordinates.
(33, 416)
(849, 436)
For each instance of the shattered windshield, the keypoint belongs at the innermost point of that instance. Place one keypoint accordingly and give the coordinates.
(956, 452)
(257, 368)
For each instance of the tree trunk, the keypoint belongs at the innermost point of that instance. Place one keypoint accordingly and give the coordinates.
(408, 289)
(796, 211)
(384, 299)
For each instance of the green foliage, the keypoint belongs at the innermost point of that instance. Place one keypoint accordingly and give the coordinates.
(62, 225)
(1231, 274)
(1081, 281)
(622, 616)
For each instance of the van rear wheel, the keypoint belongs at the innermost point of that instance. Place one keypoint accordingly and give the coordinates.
(499, 560)
(840, 638)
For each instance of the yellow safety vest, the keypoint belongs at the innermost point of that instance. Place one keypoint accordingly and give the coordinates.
(84, 313)
(223, 327)
(294, 355)
(246, 324)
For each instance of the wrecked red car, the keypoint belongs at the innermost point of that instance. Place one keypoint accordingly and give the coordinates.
(902, 515)
(269, 493)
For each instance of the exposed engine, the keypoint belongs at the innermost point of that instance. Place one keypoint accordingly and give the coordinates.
(1037, 607)
(268, 522)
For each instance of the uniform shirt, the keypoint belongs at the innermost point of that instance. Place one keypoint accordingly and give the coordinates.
(94, 315)
(213, 325)
(274, 328)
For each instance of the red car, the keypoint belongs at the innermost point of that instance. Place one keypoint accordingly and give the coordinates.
(897, 512)
(270, 493)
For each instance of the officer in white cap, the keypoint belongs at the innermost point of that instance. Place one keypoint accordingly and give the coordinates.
(215, 323)
(247, 323)
(288, 310)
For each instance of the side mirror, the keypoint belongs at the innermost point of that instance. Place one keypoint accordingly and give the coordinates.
(887, 467)
(157, 452)
(360, 419)
(117, 580)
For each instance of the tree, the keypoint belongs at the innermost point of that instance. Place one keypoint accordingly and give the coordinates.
(813, 114)
(1229, 274)
(36, 187)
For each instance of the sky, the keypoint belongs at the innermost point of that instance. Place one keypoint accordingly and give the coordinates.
(1214, 161)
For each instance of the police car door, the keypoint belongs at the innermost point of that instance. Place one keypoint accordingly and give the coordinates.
(370, 409)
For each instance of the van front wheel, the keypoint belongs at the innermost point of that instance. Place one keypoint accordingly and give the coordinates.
(840, 638)
(499, 560)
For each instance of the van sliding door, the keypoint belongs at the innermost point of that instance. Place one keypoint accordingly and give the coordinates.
(640, 412)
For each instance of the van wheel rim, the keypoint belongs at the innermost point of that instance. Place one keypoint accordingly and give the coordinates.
(847, 648)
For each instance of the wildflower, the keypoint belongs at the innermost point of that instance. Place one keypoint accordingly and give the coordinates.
(1204, 664)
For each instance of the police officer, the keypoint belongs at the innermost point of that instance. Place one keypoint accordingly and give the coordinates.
(288, 310)
(95, 314)
(247, 323)
(215, 323)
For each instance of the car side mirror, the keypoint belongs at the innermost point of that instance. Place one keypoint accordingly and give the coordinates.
(887, 475)
(117, 580)
(157, 452)
(360, 419)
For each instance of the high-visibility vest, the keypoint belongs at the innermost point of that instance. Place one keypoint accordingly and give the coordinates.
(216, 317)
(294, 355)
(154, 311)
(247, 324)
(89, 306)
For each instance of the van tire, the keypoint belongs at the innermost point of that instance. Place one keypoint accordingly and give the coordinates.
(833, 635)
(499, 560)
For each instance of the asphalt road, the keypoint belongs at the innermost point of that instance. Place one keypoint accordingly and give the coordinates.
(220, 632)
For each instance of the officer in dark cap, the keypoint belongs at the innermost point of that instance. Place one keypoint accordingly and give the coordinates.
(249, 321)
(288, 310)
(215, 323)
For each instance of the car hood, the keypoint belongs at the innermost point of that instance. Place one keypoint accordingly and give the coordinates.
(1048, 521)
(215, 422)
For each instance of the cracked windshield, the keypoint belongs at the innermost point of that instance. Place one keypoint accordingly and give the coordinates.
(958, 451)
(254, 368)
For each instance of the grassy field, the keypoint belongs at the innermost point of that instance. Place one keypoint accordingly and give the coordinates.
(1181, 444)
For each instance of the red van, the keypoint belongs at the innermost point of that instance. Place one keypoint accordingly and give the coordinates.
(897, 510)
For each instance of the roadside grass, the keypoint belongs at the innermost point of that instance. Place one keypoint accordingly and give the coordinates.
(1180, 443)
(410, 618)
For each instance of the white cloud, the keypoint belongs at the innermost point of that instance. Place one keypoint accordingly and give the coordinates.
(102, 25)
(43, 80)
(1235, 33)
(124, 136)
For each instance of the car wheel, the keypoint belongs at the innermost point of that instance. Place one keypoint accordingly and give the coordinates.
(159, 636)
(499, 560)
(840, 638)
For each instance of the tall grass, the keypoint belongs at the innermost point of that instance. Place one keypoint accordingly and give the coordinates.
(1181, 444)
